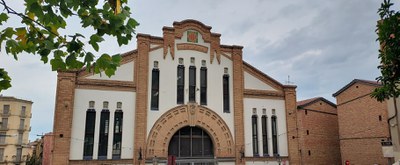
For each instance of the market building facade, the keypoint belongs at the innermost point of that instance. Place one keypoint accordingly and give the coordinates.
(183, 97)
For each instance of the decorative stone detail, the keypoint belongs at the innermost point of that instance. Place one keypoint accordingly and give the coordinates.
(176, 32)
(187, 46)
(193, 115)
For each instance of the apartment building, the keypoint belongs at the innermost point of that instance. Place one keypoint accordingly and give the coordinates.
(15, 115)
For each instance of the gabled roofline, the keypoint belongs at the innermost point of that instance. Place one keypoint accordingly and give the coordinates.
(266, 76)
(304, 103)
(366, 82)
(10, 98)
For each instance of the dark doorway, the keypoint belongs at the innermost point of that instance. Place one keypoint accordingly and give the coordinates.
(192, 146)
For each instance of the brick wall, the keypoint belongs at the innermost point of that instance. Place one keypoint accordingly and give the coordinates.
(362, 125)
(322, 140)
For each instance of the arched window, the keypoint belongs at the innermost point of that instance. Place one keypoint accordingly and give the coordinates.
(118, 119)
(255, 134)
(203, 83)
(225, 88)
(264, 126)
(89, 132)
(191, 142)
(192, 81)
(274, 135)
(180, 93)
(155, 86)
(103, 134)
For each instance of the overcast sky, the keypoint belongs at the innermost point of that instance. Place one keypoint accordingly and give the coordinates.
(321, 45)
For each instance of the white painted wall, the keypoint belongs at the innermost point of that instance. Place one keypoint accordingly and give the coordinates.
(124, 73)
(251, 82)
(168, 82)
(268, 104)
(81, 104)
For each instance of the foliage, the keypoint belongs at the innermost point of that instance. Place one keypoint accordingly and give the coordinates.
(43, 21)
(33, 160)
(388, 31)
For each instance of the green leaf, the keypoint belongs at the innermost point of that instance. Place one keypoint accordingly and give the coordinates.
(94, 39)
(3, 18)
(4, 80)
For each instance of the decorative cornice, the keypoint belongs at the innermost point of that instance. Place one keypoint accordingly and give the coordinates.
(253, 93)
(188, 46)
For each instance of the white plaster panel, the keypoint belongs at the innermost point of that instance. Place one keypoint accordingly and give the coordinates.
(168, 82)
(123, 73)
(268, 104)
(251, 82)
(81, 104)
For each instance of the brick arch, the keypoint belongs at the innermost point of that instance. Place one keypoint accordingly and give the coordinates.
(190, 115)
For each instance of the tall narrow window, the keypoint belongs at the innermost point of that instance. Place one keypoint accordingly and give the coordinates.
(21, 124)
(192, 81)
(118, 118)
(155, 86)
(255, 135)
(274, 135)
(89, 132)
(23, 111)
(103, 134)
(19, 155)
(1, 154)
(4, 123)
(20, 138)
(225, 83)
(203, 83)
(2, 137)
(6, 109)
(264, 134)
(180, 93)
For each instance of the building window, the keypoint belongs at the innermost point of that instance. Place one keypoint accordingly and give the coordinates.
(380, 118)
(180, 81)
(192, 83)
(308, 132)
(6, 109)
(274, 135)
(21, 124)
(191, 142)
(20, 137)
(1, 154)
(255, 135)
(103, 134)
(309, 152)
(118, 118)
(19, 155)
(155, 86)
(23, 111)
(89, 132)
(225, 84)
(4, 123)
(264, 126)
(2, 137)
(203, 84)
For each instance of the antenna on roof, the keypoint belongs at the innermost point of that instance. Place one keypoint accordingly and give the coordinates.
(288, 82)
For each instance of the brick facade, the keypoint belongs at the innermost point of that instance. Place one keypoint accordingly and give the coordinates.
(228, 144)
(362, 123)
(318, 131)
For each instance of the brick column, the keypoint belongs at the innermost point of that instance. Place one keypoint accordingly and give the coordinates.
(142, 68)
(291, 120)
(238, 85)
(63, 117)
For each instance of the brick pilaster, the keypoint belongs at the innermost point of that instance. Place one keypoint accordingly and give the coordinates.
(238, 85)
(142, 68)
(291, 120)
(63, 117)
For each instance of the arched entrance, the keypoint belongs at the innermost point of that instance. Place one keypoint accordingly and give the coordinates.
(191, 145)
(195, 119)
